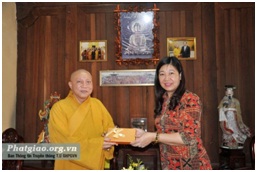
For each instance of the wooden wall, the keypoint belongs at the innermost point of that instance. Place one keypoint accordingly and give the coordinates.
(48, 51)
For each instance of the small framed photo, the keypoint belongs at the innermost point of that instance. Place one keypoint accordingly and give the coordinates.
(184, 48)
(93, 51)
(144, 77)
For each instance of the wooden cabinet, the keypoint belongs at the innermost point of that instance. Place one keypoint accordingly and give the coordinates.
(149, 155)
(38, 165)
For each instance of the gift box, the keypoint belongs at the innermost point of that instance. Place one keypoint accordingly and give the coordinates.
(121, 135)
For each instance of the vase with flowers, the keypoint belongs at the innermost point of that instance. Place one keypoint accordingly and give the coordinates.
(138, 165)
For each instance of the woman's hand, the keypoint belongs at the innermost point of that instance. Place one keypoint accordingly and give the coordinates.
(139, 132)
(143, 138)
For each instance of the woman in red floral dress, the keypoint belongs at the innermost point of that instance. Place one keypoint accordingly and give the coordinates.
(177, 119)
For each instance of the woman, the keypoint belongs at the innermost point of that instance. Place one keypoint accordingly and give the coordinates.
(177, 119)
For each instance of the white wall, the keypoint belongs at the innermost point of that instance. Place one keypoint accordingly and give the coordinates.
(9, 64)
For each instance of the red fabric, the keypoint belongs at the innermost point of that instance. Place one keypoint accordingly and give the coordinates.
(185, 119)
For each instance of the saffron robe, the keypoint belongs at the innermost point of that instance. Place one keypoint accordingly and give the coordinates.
(176, 52)
(71, 122)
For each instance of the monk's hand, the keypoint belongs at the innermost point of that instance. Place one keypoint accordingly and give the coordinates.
(107, 145)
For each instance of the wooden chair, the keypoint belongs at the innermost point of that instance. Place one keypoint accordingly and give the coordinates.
(10, 135)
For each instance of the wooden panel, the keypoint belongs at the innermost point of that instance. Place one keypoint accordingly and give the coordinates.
(198, 72)
(176, 6)
(163, 34)
(175, 19)
(220, 46)
(40, 69)
(108, 94)
(30, 106)
(42, 85)
(149, 110)
(21, 79)
(241, 5)
(71, 44)
(235, 58)
(210, 116)
(122, 107)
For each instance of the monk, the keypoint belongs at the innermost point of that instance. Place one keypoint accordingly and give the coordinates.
(80, 118)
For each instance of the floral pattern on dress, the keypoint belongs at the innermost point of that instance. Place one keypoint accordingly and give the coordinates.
(186, 120)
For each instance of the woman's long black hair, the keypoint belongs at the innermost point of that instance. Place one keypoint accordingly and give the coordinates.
(159, 91)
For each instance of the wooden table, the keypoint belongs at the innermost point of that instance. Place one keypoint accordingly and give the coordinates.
(149, 155)
(231, 158)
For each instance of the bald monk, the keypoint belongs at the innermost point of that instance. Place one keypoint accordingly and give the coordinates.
(79, 118)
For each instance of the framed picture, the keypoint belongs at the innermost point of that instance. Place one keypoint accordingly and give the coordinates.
(136, 41)
(93, 51)
(143, 77)
(184, 48)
